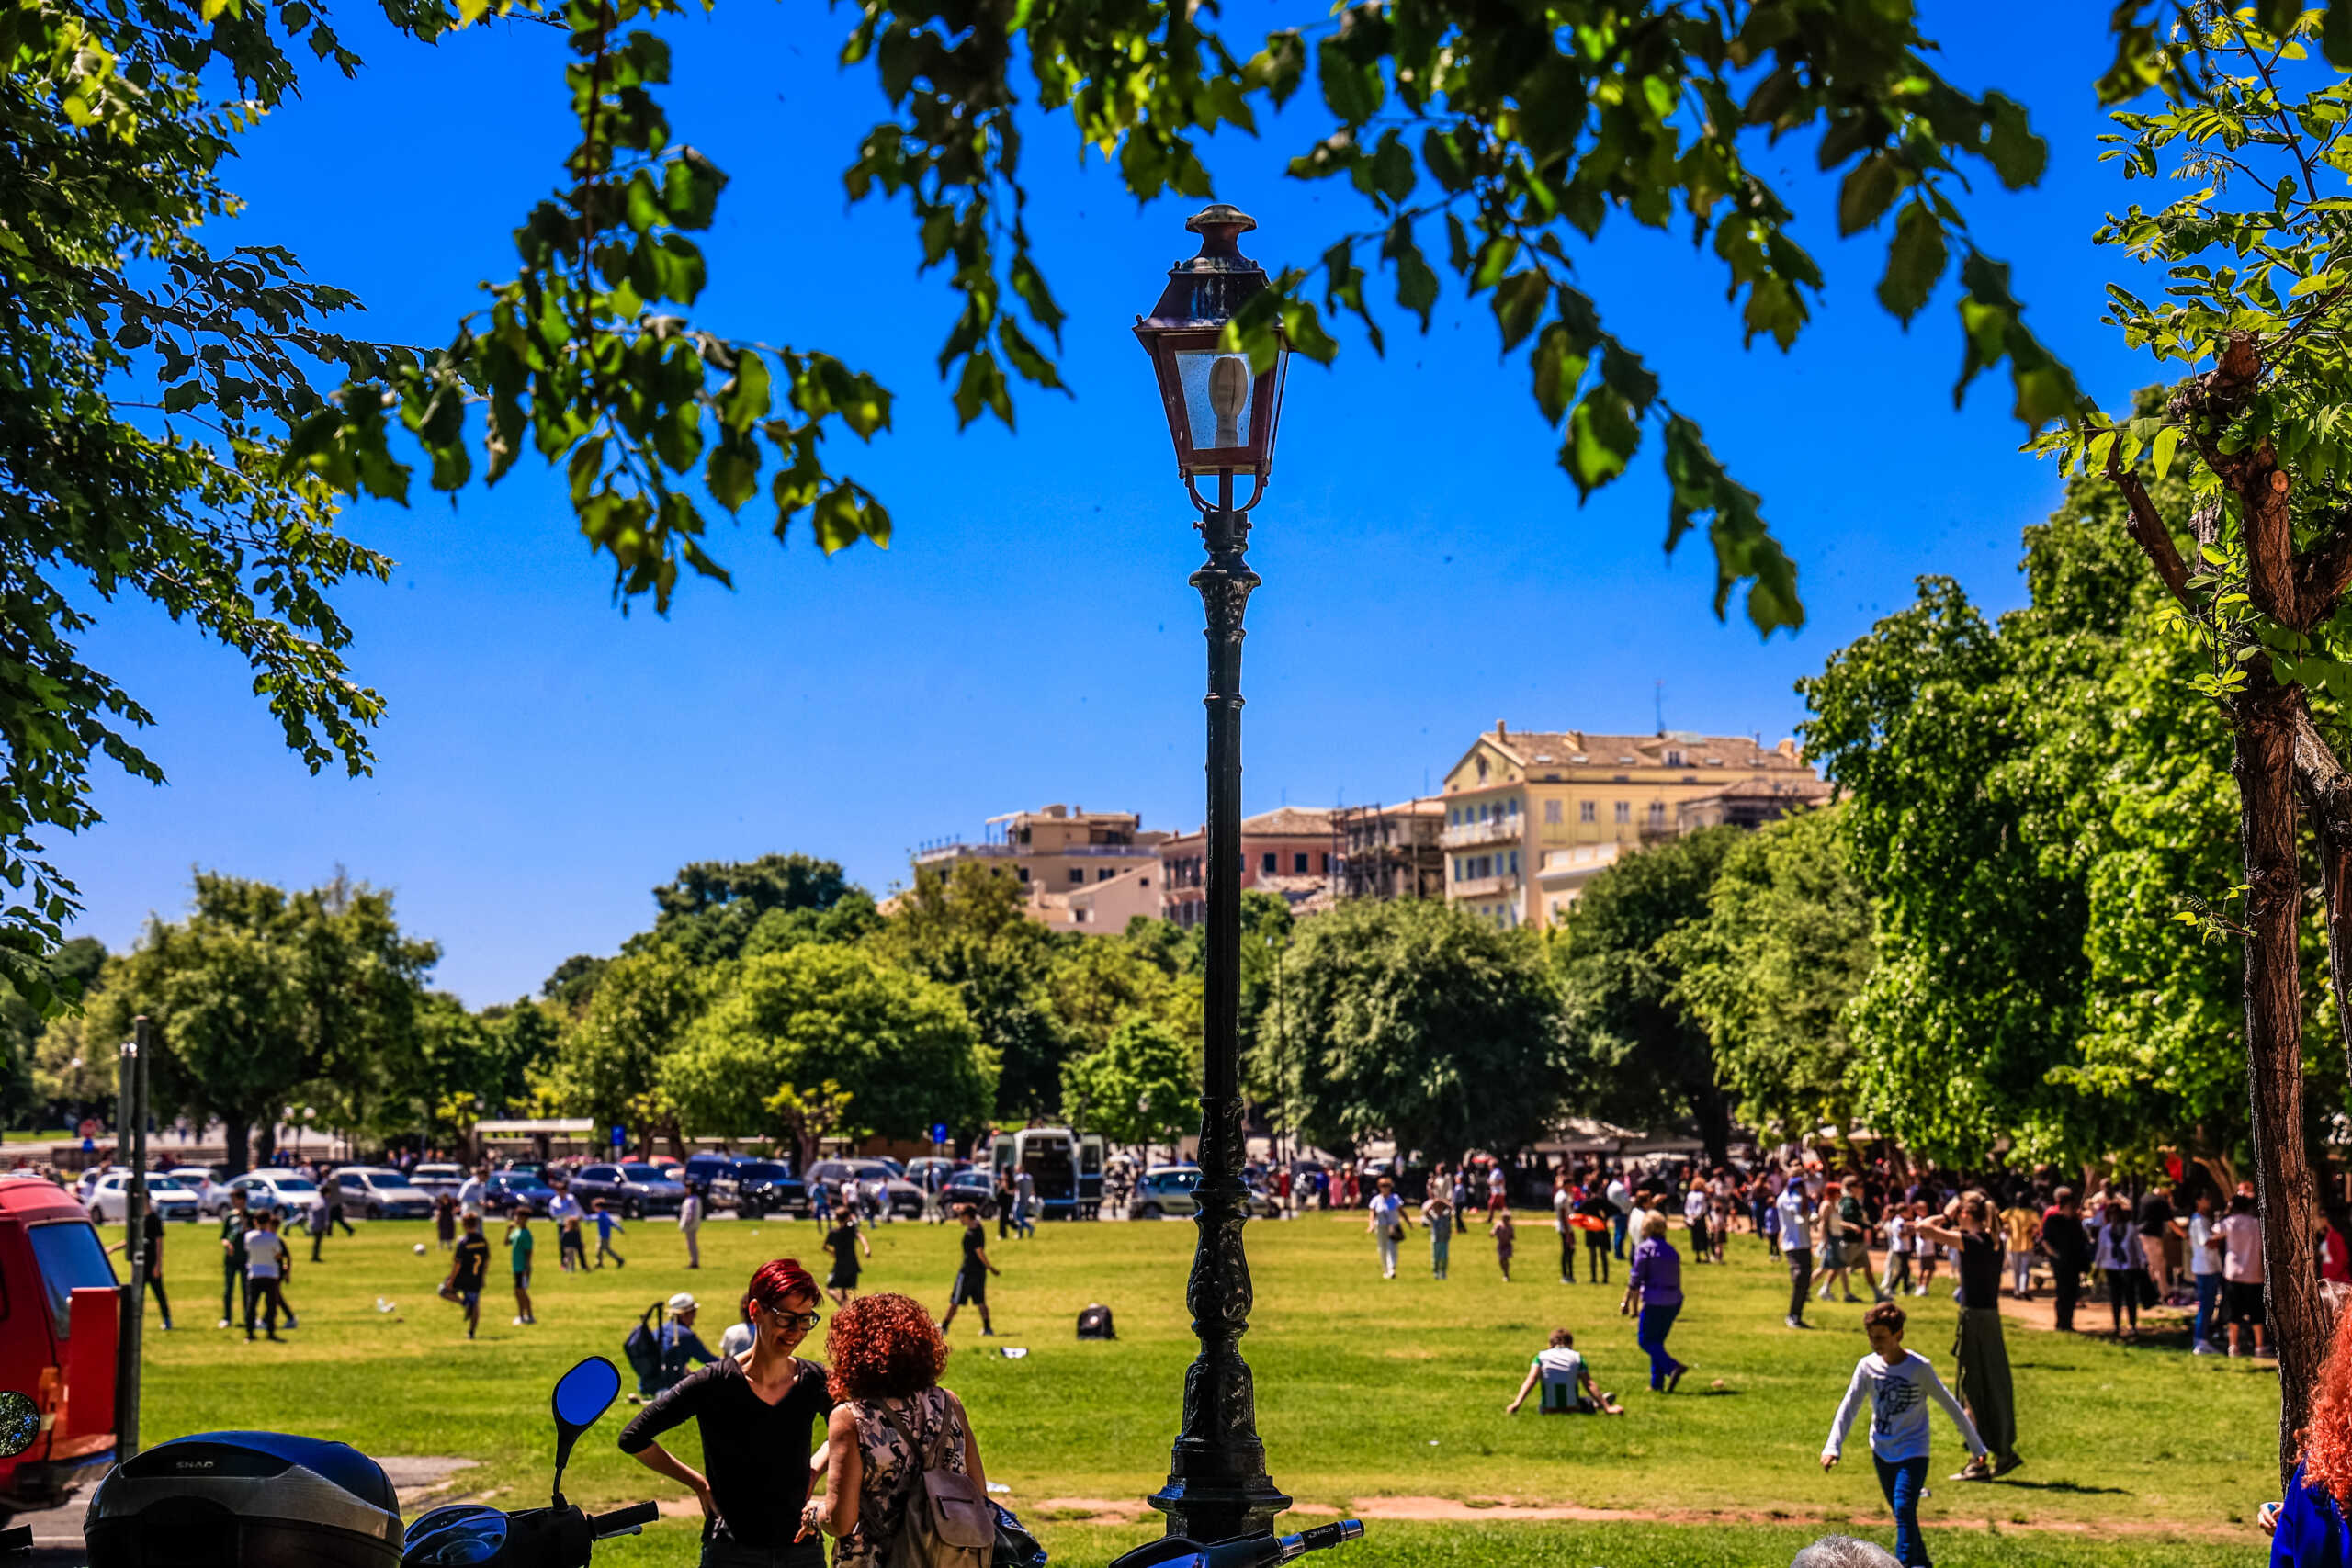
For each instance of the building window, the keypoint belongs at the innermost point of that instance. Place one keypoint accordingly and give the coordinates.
(1482, 770)
(1514, 863)
(1143, 882)
(1266, 863)
(1078, 874)
(1020, 870)
(1551, 813)
(1323, 862)
(1584, 811)
(1514, 806)
(1674, 758)
(1298, 863)
(1624, 811)
(1104, 875)
(1658, 814)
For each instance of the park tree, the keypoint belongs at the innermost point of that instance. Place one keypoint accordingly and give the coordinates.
(571, 983)
(1639, 1056)
(187, 419)
(1141, 1085)
(968, 927)
(609, 1064)
(836, 1031)
(1766, 972)
(716, 911)
(25, 1092)
(1417, 1021)
(261, 996)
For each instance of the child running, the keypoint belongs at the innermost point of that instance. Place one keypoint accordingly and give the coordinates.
(1506, 1235)
(606, 1223)
(469, 1265)
(520, 1244)
(845, 1241)
(1898, 1384)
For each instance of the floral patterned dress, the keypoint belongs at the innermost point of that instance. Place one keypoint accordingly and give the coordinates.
(890, 1469)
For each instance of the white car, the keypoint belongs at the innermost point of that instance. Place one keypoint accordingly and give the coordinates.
(435, 1180)
(199, 1180)
(282, 1191)
(108, 1198)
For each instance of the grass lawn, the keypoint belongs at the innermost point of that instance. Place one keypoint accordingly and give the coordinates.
(1373, 1397)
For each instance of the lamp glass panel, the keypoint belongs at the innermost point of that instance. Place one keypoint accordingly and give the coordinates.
(1218, 391)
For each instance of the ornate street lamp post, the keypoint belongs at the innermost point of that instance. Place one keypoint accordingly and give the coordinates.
(1222, 418)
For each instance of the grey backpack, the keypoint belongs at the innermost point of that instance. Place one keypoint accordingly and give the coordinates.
(948, 1522)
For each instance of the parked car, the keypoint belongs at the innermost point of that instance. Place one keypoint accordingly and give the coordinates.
(538, 1167)
(716, 1176)
(290, 1195)
(108, 1199)
(379, 1192)
(516, 1191)
(1165, 1189)
(435, 1180)
(973, 1187)
(765, 1187)
(923, 1165)
(199, 1179)
(902, 1197)
(635, 1190)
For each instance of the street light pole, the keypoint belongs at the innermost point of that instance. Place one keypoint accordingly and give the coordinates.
(1222, 413)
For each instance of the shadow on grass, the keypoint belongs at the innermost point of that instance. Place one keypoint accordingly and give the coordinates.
(2057, 1487)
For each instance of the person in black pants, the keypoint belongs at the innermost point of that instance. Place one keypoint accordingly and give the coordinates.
(153, 1229)
(2068, 1246)
(234, 1226)
(334, 1186)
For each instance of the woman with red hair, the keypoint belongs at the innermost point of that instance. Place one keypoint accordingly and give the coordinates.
(894, 1421)
(755, 1411)
(2310, 1530)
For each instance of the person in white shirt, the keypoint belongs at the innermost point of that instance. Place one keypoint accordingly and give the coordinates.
(1898, 1250)
(1621, 1198)
(1387, 1225)
(2242, 1277)
(1568, 1382)
(2205, 1267)
(1694, 1216)
(564, 1212)
(1796, 1245)
(265, 1270)
(1564, 1205)
(470, 1192)
(690, 1226)
(1899, 1386)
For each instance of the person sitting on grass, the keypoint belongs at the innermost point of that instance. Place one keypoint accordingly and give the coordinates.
(1567, 1383)
(1898, 1385)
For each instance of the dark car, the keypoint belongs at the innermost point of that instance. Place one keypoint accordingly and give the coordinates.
(635, 1190)
(977, 1188)
(715, 1174)
(767, 1187)
(516, 1191)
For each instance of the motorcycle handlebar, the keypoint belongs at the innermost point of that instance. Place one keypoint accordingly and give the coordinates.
(622, 1521)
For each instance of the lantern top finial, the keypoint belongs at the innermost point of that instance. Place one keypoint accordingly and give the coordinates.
(1220, 215)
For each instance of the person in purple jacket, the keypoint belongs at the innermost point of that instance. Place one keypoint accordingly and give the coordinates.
(1654, 1296)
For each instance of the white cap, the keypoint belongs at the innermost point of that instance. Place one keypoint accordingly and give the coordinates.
(681, 1302)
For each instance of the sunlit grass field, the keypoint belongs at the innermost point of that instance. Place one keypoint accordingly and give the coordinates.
(1373, 1396)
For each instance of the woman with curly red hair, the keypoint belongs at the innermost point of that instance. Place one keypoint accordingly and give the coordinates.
(755, 1411)
(2311, 1531)
(894, 1421)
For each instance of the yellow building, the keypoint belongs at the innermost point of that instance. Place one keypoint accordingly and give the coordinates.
(1531, 817)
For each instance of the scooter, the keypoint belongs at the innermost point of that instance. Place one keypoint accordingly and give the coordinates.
(472, 1535)
(19, 1425)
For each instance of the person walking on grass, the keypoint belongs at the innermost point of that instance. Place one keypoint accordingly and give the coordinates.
(1654, 1299)
(2067, 1246)
(150, 1230)
(2021, 1228)
(445, 1221)
(1387, 1225)
(1564, 1204)
(520, 1244)
(1925, 1249)
(1694, 1218)
(1506, 1233)
(1593, 1213)
(1796, 1245)
(608, 1225)
(2205, 1270)
(265, 1270)
(1566, 1379)
(972, 1276)
(2119, 1259)
(846, 1239)
(1897, 1278)
(1980, 1354)
(234, 1224)
(1437, 1214)
(690, 1225)
(1899, 1387)
(318, 1219)
(1836, 1241)
(564, 1213)
(469, 1269)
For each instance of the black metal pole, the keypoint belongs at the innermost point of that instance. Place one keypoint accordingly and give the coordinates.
(1218, 1485)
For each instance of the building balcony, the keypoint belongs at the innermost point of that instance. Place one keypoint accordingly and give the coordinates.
(1482, 886)
(1494, 831)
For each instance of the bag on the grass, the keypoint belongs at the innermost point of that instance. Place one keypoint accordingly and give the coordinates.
(949, 1522)
(1015, 1547)
(642, 1348)
(1094, 1323)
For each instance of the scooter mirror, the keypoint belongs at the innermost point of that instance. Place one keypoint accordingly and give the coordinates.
(19, 1423)
(582, 1395)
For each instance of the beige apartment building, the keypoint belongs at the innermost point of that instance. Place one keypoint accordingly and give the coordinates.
(1286, 850)
(1057, 850)
(1531, 817)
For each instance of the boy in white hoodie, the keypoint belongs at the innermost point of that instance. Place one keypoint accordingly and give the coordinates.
(1898, 1385)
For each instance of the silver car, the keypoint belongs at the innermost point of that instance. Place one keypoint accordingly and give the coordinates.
(378, 1192)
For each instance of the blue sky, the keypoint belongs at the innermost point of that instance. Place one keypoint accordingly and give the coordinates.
(1029, 636)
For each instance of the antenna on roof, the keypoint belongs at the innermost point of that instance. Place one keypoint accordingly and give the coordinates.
(1661, 707)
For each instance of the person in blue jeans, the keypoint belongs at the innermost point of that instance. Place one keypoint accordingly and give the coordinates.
(1653, 1297)
(2205, 1267)
(1899, 1386)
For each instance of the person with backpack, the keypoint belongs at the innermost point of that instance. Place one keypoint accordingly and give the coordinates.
(755, 1411)
(904, 1484)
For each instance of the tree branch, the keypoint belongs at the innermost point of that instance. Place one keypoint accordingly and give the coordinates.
(2147, 528)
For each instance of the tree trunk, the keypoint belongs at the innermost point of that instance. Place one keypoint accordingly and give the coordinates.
(266, 1141)
(2263, 763)
(237, 1136)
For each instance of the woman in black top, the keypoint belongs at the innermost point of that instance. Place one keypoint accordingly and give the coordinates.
(843, 1242)
(755, 1413)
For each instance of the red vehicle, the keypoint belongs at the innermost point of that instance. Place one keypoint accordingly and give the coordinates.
(60, 1313)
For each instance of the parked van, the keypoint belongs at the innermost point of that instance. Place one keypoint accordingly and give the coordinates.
(1065, 1169)
(59, 1312)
